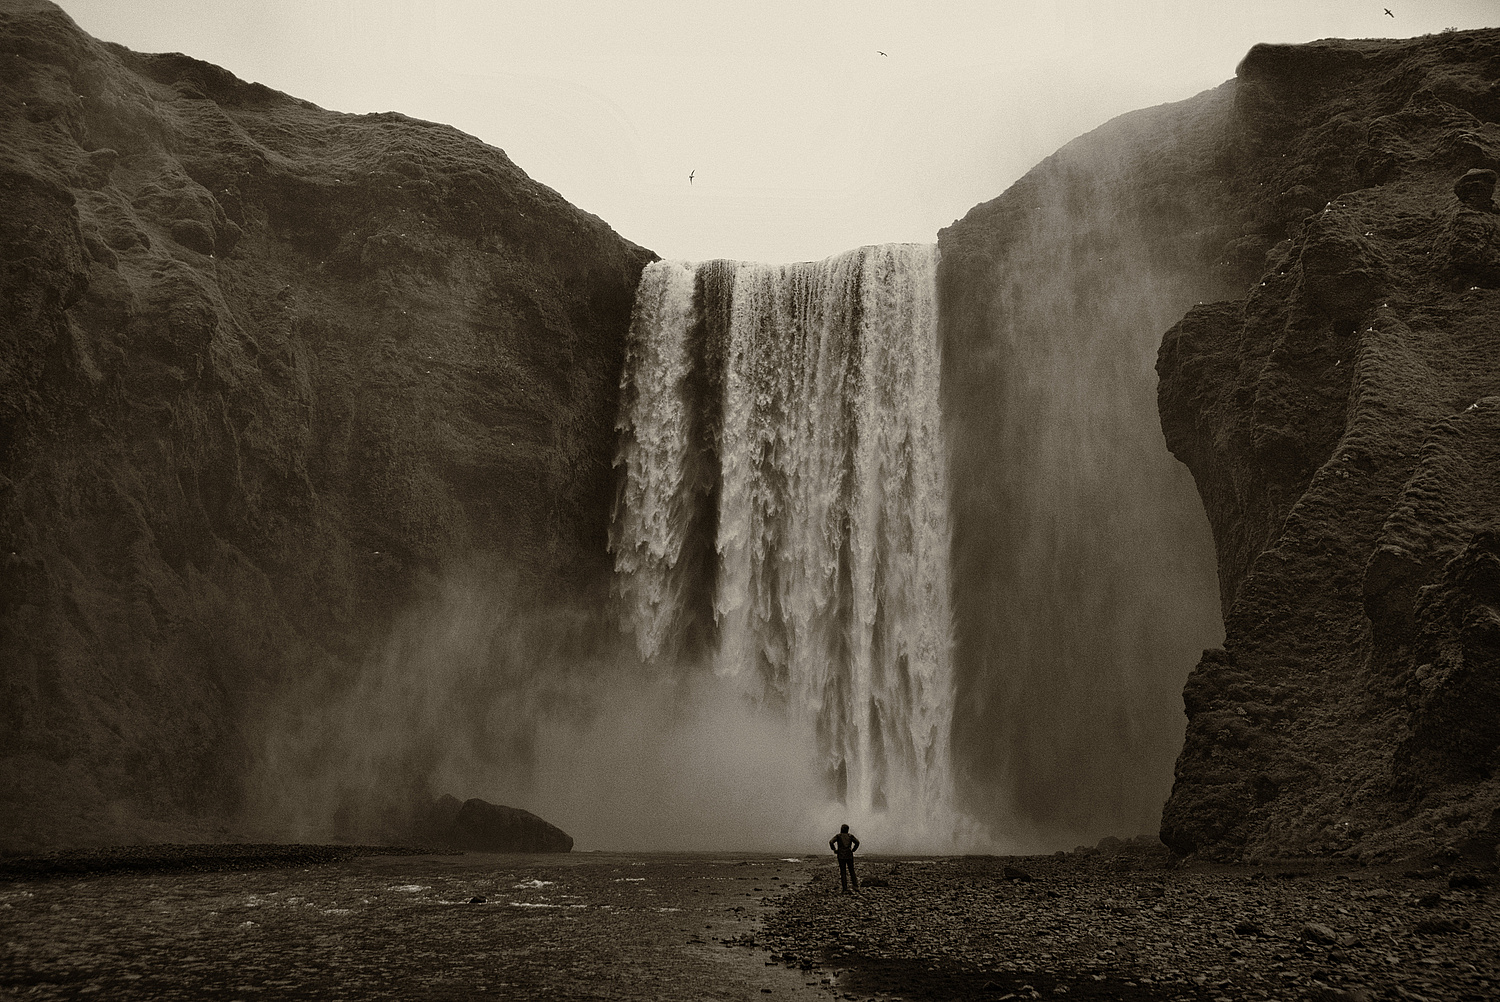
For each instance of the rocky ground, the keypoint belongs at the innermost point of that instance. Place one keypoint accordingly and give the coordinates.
(1123, 923)
(1130, 925)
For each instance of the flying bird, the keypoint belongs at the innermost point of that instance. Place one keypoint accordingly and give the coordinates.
(882, 53)
(690, 175)
(1388, 12)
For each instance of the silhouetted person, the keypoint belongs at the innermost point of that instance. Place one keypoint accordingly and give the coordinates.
(843, 845)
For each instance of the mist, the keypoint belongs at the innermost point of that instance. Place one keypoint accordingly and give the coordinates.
(480, 691)
(1084, 575)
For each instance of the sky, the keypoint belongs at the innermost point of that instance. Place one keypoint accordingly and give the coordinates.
(807, 128)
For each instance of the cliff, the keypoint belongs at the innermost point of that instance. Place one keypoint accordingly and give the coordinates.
(1327, 389)
(306, 422)
(272, 375)
(1342, 422)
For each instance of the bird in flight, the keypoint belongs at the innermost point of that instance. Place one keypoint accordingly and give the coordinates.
(690, 175)
(882, 53)
(1388, 12)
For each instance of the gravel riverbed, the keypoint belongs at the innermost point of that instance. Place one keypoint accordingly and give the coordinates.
(1131, 926)
(358, 923)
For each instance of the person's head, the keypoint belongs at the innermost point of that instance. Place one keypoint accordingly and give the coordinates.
(843, 829)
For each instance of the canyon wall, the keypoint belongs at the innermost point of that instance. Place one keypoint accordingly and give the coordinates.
(306, 424)
(273, 375)
(1342, 421)
(1338, 326)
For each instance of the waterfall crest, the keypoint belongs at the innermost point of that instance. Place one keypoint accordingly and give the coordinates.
(783, 513)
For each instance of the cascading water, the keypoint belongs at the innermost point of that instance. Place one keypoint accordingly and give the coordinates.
(783, 512)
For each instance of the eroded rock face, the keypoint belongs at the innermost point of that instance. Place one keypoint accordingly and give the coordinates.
(270, 372)
(1343, 426)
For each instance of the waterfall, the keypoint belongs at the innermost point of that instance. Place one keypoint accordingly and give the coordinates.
(783, 515)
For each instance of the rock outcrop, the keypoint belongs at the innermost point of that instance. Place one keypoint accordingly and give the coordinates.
(270, 373)
(1342, 422)
(480, 826)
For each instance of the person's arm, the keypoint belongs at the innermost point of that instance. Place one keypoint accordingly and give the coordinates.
(855, 839)
(833, 843)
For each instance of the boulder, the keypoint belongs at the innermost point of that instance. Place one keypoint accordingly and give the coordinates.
(1477, 188)
(482, 827)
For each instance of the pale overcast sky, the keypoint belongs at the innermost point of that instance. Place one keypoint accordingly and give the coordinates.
(805, 140)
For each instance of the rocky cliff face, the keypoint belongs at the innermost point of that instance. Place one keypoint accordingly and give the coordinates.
(1342, 422)
(1334, 419)
(271, 374)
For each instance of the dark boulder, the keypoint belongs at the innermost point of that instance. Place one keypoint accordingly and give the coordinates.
(485, 827)
(480, 826)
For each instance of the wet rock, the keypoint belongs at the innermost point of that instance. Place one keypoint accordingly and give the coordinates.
(1323, 993)
(1427, 874)
(194, 235)
(1468, 252)
(1017, 874)
(479, 826)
